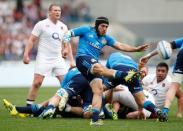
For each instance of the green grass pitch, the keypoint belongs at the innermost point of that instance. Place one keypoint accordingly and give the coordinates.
(18, 95)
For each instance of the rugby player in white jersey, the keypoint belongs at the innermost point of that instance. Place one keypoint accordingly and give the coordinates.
(48, 34)
(158, 85)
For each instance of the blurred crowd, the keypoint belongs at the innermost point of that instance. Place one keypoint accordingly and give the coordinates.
(17, 23)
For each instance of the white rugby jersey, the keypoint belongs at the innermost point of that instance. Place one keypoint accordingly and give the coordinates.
(50, 38)
(158, 90)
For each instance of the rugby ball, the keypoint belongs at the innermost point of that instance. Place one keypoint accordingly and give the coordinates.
(164, 49)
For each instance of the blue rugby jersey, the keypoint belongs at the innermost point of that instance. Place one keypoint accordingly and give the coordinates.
(90, 43)
(71, 73)
(119, 58)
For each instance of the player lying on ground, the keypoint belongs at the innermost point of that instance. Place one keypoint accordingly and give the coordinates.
(73, 84)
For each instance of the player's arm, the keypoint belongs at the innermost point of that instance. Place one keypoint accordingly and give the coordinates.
(70, 56)
(124, 47)
(75, 32)
(67, 51)
(128, 48)
(32, 40)
(143, 60)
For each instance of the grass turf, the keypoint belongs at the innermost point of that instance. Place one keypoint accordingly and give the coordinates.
(18, 95)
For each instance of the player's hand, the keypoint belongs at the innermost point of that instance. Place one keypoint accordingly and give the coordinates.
(26, 59)
(64, 53)
(143, 47)
(98, 69)
(143, 61)
(72, 64)
(141, 115)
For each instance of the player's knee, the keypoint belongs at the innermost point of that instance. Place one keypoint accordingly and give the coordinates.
(37, 84)
(96, 85)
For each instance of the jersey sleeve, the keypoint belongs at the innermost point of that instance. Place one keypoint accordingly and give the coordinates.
(107, 64)
(80, 30)
(64, 81)
(37, 29)
(110, 41)
(179, 42)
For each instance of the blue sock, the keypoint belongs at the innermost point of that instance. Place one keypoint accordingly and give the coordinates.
(37, 112)
(35, 108)
(50, 106)
(148, 105)
(165, 110)
(26, 109)
(95, 114)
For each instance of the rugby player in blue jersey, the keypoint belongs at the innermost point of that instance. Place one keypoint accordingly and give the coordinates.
(91, 42)
(119, 61)
(177, 76)
(73, 84)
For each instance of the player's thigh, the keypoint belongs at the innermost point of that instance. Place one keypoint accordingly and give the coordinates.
(178, 68)
(125, 98)
(139, 98)
(43, 68)
(59, 69)
(84, 65)
(177, 78)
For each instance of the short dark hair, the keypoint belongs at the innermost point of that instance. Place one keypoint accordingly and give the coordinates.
(163, 64)
(50, 7)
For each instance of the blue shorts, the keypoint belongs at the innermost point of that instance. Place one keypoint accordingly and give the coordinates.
(84, 64)
(134, 86)
(77, 85)
(178, 68)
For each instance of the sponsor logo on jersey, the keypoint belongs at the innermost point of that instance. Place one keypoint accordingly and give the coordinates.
(55, 36)
(93, 60)
(94, 45)
(154, 92)
(90, 35)
(103, 41)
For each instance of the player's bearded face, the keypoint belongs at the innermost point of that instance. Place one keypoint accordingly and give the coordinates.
(161, 73)
(102, 29)
(55, 13)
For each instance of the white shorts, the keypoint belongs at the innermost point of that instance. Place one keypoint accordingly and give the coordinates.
(125, 98)
(51, 68)
(178, 78)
